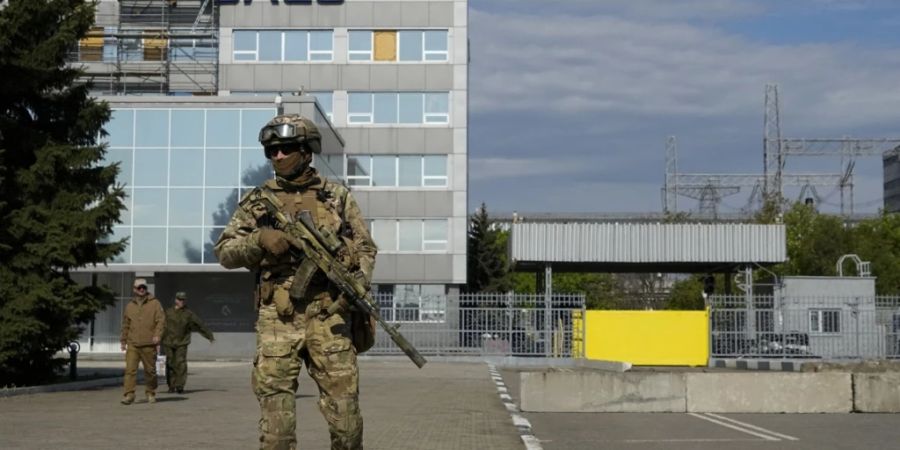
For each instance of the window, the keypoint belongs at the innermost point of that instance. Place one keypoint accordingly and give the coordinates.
(826, 321)
(412, 302)
(411, 235)
(396, 108)
(393, 171)
(398, 45)
(283, 45)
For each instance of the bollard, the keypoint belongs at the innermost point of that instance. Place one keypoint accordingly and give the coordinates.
(73, 348)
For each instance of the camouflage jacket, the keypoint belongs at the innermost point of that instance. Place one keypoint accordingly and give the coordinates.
(142, 321)
(180, 323)
(331, 205)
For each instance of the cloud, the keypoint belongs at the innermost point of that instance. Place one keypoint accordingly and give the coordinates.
(490, 168)
(645, 9)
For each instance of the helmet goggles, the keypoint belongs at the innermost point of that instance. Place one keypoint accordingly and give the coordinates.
(282, 133)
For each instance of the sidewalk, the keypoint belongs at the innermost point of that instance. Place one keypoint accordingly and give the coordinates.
(443, 406)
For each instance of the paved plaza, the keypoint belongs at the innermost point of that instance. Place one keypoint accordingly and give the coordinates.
(443, 406)
(446, 405)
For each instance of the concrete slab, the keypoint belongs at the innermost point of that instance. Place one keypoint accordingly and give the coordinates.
(599, 391)
(876, 392)
(769, 392)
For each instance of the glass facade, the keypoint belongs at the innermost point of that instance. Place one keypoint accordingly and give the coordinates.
(184, 171)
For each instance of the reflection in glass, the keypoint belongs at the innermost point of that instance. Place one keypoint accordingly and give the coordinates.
(186, 207)
(150, 166)
(222, 167)
(321, 44)
(436, 41)
(210, 236)
(384, 233)
(118, 234)
(252, 120)
(410, 45)
(410, 170)
(385, 108)
(148, 246)
(269, 46)
(295, 46)
(255, 171)
(411, 108)
(436, 170)
(435, 235)
(357, 166)
(123, 157)
(222, 127)
(437, 103)
(245, 40)
(152, 128)
(187, 128)
(150, 207)
(186, 167)
(120, 128)
(384, 171)
(219, 206)
(184, 245)
(410, 235)
(125, 212)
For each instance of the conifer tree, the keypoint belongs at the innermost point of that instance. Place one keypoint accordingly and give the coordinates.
(59, 199)
(488, 265)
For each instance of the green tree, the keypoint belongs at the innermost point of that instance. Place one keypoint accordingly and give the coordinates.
(878, 240)
(814, 242)
(488, 264)
(60, 200)
(687, 294)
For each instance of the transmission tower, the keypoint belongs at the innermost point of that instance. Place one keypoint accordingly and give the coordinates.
(776, 149)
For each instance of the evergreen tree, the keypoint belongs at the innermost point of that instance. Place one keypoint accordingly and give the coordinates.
(59, 199)
(488, 264)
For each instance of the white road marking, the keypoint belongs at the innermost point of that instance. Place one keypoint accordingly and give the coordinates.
(520, 421)
(753, 427)
(734, 427)
(531, 442)
(650, 441)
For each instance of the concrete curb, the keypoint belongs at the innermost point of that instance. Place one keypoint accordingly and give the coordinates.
(757, 364)
(61, 387)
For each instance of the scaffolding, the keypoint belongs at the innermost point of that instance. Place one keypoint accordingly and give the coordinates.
(165, 47)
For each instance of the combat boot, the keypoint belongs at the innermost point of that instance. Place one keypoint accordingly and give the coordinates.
(151, 397)
(171, 390)
(128, 399)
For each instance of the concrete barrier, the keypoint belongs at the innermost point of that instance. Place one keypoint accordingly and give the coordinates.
(876, 392)
(769, 392)
(595, 391)
(582, 390)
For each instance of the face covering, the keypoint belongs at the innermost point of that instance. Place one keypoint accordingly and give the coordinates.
(292, 165)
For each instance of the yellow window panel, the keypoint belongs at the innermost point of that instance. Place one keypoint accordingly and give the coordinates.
(94, 38)
(155, 47)
(385, 44)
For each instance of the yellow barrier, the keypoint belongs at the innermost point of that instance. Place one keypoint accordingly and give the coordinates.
(647, 338)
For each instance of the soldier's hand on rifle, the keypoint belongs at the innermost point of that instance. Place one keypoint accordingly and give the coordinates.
(362, 279)
(274, 241)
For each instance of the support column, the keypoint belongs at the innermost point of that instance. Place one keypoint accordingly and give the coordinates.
(548, 299)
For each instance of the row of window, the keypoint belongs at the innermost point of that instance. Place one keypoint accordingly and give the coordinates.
(108, 44)
(187, 244)
(386, 170)
(410, 235)
(398, 108)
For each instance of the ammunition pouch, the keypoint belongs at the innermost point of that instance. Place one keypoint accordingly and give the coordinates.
(302, 278)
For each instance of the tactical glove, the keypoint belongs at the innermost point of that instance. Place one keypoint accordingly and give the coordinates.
(273, 241)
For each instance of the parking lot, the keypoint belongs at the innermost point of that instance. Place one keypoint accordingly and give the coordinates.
(447, 405)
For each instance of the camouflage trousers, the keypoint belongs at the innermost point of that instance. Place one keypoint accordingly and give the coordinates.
(176, 365)
(283, 344)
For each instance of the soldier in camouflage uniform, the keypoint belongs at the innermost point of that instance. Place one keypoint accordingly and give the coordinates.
(291, 331)
(180, 323)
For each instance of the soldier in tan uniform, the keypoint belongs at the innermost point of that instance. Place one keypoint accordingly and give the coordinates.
(294, 331)
(142, 326)
(180, 323)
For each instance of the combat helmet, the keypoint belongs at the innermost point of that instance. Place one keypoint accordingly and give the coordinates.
(291, 129)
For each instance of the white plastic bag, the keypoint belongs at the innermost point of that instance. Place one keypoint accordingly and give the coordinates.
(161, 366)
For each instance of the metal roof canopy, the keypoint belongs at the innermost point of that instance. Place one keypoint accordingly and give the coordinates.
(643, 247)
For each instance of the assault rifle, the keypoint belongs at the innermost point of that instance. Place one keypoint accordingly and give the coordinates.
(318, 248)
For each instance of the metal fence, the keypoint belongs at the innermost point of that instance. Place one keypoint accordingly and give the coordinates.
(825, 327)
(488, 324)
(445, 325)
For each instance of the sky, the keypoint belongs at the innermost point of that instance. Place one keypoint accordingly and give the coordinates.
(571, 101)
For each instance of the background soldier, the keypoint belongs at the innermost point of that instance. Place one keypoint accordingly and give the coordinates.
(291, 330)
(142, 326)
(180, 323)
